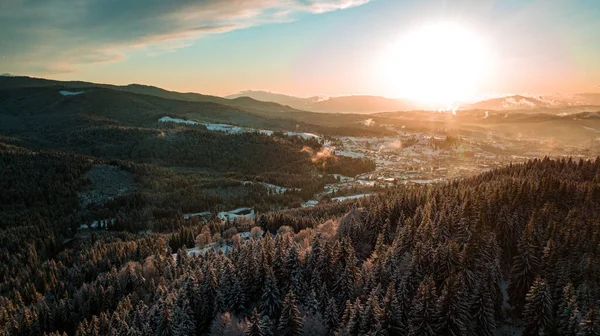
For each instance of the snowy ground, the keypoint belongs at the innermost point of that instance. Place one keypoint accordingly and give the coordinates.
(226, 128)
(343, 178)
(237, 214)
(310, 203)
(197, 214)
(178, 121)
(351, 197)
(275, 189)
(95, 224)
(226, 248)
(303, 135)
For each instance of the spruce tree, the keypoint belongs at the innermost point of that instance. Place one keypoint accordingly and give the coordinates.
(270, 301)
(184, 322)
(371, 315)
(290, 320)
(422, 314)
(590, 325)
(482, 314)
(522, 274)
(452, 315)
(568, 317)
(255, 326)
(332, 316)
(537, 314)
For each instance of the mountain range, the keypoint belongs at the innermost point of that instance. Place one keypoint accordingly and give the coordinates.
(373, 104)
(341, 104)
(270, 104)
(513, 102)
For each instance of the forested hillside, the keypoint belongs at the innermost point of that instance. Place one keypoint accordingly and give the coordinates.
(514, 249)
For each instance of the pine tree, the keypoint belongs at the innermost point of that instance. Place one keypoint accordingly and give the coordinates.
(267, 325)
(568, 318)
(270, 301)
(312, 304)
(391, 313)
(345, 286)
(537, 315)
(522, 274)
(483, 316)
(452, 315)
(590, 325)
(255, 326)
(378, 257)
(371, 315)
(163, 318)
(290, 321)
(351, 319)
(331, 316)
(183, 319)
(422, 314)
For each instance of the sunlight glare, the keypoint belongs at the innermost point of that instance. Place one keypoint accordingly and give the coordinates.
(438, 64)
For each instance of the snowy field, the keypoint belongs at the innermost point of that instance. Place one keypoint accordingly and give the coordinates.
(226, 128)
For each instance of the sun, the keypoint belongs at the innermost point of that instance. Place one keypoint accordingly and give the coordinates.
(437, 64)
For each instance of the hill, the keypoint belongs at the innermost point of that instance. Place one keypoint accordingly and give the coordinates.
(342, 104)
(249, 105)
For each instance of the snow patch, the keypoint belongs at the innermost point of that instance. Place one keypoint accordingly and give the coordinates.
(343, 178)
(197, 214)
(237, 214)
(303, 135)
(224, 128)
(178, 121)
(309, 204)
(69, 93)
(275, 189)
(95, 224)
(352, 197)
(351, 154)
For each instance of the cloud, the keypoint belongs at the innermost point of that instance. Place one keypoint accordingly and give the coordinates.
(61, 35)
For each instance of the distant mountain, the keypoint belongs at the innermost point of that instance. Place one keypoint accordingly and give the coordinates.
(342, 104)
(520, 102)
(580, 99)
(512, 103)
(278, 98)
(249, 105)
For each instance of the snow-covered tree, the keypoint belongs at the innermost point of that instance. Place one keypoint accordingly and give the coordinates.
(255, 326)
(290, 320)
(422, 314)
(538, 312)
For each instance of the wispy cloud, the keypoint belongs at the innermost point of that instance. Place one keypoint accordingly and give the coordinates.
(60, 35)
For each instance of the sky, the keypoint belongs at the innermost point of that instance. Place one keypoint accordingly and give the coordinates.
(298, 47)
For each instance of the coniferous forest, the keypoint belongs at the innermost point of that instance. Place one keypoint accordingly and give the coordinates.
(515, 249)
